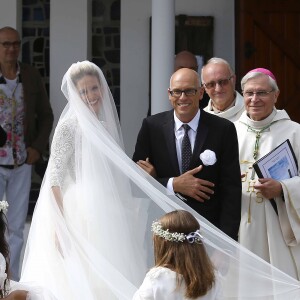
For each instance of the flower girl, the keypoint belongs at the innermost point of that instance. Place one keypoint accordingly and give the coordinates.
(182, 269)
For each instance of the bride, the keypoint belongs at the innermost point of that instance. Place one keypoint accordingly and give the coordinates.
(82, 219)
(90, 232)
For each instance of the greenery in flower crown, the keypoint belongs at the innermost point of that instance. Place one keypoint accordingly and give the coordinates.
(3, 206)
(193, 237)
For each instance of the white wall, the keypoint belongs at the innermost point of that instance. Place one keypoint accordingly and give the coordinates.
(135, 47)
(135, 50)
(10, 14)
(69, 43)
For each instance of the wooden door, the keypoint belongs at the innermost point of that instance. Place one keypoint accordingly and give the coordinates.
(268, 35)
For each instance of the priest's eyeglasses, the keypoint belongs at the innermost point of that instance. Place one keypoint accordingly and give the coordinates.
(7, 45)
(260, 94)
(221, 83)
(178, 93)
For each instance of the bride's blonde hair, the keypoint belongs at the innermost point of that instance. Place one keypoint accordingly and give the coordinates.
(78, 71)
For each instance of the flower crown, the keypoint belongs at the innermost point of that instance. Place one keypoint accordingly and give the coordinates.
(193, 237)
(3, 206)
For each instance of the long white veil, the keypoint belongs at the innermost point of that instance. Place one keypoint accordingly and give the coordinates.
(99, 246)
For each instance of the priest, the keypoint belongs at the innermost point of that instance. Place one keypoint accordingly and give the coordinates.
(270, 218)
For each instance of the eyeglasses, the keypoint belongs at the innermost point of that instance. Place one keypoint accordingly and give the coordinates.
(221, 83)
(15, 44)
(178, 93)
(260, 94)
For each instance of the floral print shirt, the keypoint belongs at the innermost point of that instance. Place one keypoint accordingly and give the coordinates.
(12, 121)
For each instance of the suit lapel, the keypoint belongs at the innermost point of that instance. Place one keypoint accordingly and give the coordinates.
(201, 135)
(168, 130)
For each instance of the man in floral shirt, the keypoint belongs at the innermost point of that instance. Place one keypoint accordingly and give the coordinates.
(27, 118)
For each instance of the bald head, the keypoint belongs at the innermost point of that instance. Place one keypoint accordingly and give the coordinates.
(186, 75)
(8, 29)
(185, 59)
(218, 79)
(185, 93)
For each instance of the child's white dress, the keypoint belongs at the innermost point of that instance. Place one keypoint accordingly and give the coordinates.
(34, 292)
(160, 284)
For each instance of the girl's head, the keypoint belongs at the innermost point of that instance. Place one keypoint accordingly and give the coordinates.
(178, 223)
(179, 246)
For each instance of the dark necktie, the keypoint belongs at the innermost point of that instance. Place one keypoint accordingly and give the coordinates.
(186, 149)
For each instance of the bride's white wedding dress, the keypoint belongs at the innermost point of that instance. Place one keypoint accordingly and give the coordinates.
(86, 250)
(98, 246)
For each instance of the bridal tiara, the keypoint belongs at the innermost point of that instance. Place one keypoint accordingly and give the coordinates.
(3, 206)
(193, 237)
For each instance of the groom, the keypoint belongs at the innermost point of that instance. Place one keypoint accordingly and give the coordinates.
(209, 181)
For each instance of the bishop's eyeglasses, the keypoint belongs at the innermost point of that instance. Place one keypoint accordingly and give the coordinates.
(260, 94)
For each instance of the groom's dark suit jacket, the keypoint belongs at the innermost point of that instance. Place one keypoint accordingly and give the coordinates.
(156, 140)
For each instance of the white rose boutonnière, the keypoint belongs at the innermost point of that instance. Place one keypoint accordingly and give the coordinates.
(208, 157)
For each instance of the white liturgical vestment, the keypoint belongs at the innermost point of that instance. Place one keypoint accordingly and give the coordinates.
(274, 236)
(233, 113)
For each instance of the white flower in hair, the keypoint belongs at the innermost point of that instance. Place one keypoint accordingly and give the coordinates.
(193, 237)
(3, 206)
(169, 236)
(208, 157)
